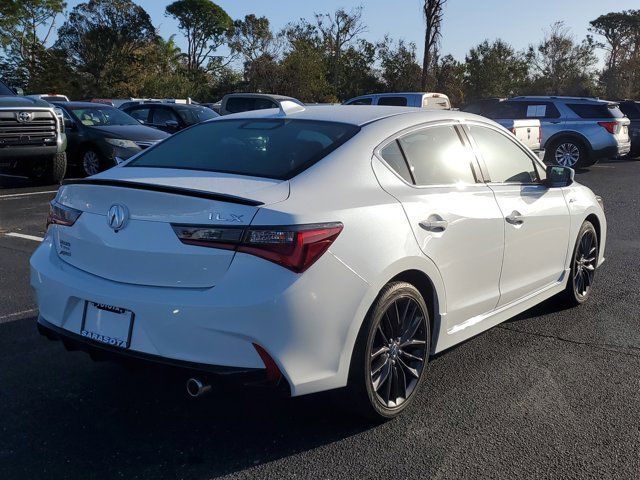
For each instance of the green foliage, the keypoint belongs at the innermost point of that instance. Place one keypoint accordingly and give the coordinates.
(399, 65)
(206, 27)
(494, 70)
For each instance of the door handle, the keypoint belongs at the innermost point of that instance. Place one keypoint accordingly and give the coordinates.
(434, 223)
(515, 218)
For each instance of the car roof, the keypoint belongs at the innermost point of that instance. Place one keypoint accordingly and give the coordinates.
(562, 99)
(82, 104)
(261, 95)
(353, 114)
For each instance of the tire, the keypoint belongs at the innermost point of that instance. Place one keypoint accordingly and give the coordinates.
(583, 265)
(49, 171)
(397, 344)
(91, 162)
(568, 152)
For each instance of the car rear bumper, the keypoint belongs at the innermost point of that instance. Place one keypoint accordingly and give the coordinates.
(623, 149)
(301, 321)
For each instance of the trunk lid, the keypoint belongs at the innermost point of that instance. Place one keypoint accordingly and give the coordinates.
(146, 250)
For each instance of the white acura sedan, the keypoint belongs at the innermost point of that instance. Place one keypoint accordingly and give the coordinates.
(316, 248)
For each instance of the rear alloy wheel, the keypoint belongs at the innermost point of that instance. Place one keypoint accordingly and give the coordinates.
(91, 163)
(567, 154)
(393, 354)
(583, 265)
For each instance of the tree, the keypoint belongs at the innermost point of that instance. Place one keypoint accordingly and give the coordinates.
(25, 29)
(433, 13)
(621, 32)
(205, 25)
(337, 31)
(106, 42)
(450, 79)
(252, 38)
(494, 70)
(560, 66)
(400, 69)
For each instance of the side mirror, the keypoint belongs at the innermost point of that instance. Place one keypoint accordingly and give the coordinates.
(172, 124)
(69, 124)
(559, 176)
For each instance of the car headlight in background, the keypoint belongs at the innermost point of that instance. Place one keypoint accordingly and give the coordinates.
(121, 143)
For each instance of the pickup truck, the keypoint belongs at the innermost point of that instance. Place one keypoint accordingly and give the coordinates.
(528, 131)
(32, 137)
(430, 100)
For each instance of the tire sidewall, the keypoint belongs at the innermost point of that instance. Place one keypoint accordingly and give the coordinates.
(386, 298)
(579, 299)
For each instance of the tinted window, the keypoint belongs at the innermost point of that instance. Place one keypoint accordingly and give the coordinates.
(394, 101)
(395, 159)
(245, 104)
(193, 115)
(596, 110)
(273, 148)
(101, 116)
(630, 109)
(361, 101)
(140, 113)
(4, 90)
(508, 110)
(505, 160)
(160, 116)
(438, 157)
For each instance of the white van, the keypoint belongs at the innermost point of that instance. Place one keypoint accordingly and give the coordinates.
(432, 101)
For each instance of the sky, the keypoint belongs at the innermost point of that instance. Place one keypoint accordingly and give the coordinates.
(466, 22)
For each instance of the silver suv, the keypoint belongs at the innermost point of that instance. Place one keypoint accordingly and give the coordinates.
(576, 131)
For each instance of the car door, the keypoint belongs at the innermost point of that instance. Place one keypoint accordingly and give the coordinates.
(73, 131)
(536, 218)
(165, 119)
(453, 214)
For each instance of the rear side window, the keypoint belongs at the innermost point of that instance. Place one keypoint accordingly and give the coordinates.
(596, 110)
(505, 160)
(246, 104)
(395, 101)
(360, 101)
(438, 157)
(392, 154)
(271, 148)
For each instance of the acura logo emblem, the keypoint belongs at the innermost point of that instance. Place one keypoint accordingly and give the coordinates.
(117, 217)
(24, 117)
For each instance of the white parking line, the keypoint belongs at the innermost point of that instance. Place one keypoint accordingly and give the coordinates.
(14, 195)
(22, 235)
(17, 314)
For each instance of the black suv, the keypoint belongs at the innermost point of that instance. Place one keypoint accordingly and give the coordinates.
(631, 108)
(169, 117)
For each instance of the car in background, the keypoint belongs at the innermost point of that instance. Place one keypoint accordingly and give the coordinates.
(99, 136)
(432, 101)
(576, 131)
(314, 248)
(631, 108)
(50, 97)
(169, 117)
(245, 102)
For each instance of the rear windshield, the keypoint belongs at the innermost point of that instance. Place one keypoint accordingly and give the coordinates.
(596, 110)
(271, 148)
(193, 115)
(245, 104)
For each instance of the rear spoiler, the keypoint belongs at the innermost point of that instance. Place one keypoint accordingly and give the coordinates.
(188, 192)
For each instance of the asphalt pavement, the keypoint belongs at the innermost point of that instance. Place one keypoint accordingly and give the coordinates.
(552, 393)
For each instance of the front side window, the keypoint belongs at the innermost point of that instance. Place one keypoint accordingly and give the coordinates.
(438, 156)
(504, 159)
(270, 148)
(163, 115)
(140, 114)
(395, 101)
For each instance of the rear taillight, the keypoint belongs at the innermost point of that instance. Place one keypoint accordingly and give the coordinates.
(610, 127)
(295, 247)
(62, 215)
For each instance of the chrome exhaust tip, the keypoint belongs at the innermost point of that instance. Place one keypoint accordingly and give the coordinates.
(196, 387)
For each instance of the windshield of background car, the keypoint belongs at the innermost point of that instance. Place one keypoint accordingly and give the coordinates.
(631, 110)
(102, 116)
(4, 90)
(194, 115)
(271, 148)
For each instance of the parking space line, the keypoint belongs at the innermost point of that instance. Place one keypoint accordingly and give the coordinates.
(26, 237)
(17, 314)
(14, 195)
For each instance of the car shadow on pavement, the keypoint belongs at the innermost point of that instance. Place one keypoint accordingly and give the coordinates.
(104, 420)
